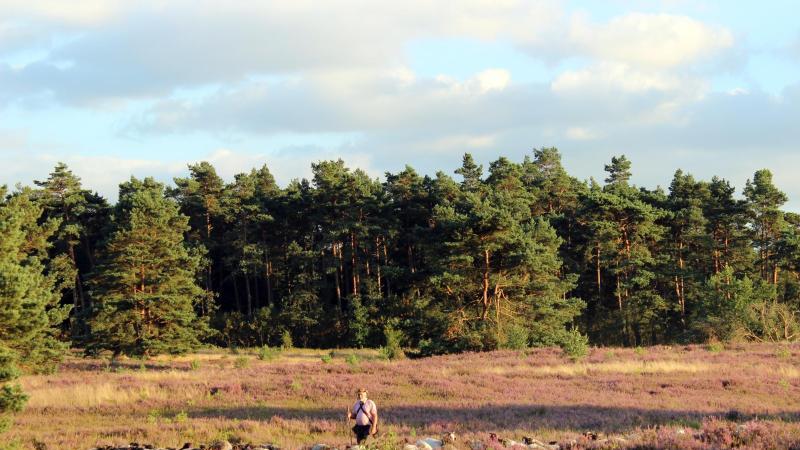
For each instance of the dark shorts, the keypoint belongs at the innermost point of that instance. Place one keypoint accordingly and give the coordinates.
(361, 431)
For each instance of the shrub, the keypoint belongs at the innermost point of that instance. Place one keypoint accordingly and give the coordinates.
(575, 345)
(516, 338)
(286, 340)
(241, 362)
(715, 346)
(326, 359)
(267, 353)
(783, 352)
(194, 364)
(181, 417)
(352, 359)
(394, 337)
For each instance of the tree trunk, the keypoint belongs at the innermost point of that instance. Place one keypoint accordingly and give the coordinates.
(268, 276)
(378, 264)
(485, 312)
(386, 261)
(353, 263)
(599, 292)
(337, 253)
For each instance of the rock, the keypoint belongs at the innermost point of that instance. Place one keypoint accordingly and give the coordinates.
(476, 445)
(449, 438)
(320, 447)
(423, 445)
(509, 442)
(221, 445)
(410, 447)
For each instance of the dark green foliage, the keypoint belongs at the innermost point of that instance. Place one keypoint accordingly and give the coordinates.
(82, 217)
(507, 255)
(145, 291)
(29, 296)
(575, 345)
(393, 348)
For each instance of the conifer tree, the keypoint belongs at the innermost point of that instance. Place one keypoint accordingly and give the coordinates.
(498, 269)
(145, 290)
(689, 244)
(200, 198)
(29, 311)
(77, 210)
(764, 201)
(623, 229)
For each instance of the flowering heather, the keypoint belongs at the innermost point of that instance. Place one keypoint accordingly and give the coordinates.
(664, 397)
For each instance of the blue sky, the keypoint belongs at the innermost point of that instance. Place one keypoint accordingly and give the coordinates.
(115, 88)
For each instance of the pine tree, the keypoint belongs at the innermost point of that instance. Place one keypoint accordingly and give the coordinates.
(64, 199)
(622, 229)
(498, 267)
(144, 291)
(689, 244)
(29, 311)
(200, 198)
(764, 201)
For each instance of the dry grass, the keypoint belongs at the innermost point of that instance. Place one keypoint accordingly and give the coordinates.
(297, 398)
(589, 369)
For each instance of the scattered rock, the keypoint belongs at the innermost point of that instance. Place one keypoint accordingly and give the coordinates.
(476, 445)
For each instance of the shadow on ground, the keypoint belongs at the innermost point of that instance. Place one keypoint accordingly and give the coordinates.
(489, 418)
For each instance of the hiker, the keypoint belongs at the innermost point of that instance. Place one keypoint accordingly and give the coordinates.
(366, 414)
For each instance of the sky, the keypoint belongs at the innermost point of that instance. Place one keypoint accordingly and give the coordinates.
(119, 88)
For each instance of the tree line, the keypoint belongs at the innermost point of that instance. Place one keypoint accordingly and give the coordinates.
(521, 254)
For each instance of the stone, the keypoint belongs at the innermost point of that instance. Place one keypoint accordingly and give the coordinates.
(221, 445)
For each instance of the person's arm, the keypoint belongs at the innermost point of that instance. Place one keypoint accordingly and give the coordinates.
(349, 413)
(374, 428)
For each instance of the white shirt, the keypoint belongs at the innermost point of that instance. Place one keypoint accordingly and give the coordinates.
(361, 417)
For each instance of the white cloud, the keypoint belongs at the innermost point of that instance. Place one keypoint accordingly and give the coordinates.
(493, 79)
(581, 134)
(84, 12)
(615, 76)
(151, 48)
(650, 40)
(340, 101)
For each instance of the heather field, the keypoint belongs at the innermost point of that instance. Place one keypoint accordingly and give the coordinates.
(659, 397)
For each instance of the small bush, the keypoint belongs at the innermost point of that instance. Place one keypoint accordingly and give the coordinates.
(241, 362)
(286, 340)
(516, 338)
(153, 415)
(640, 351)
(715, 347)
(394, 337)
(194, 364)
(783, 352)
(181, 417)
(326, 359)
(575, 345)
(267, 353)
(352, 359)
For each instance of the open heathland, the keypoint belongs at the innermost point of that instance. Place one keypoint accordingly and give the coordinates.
(683, 397)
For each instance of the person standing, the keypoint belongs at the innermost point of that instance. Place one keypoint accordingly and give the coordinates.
(365, 412)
